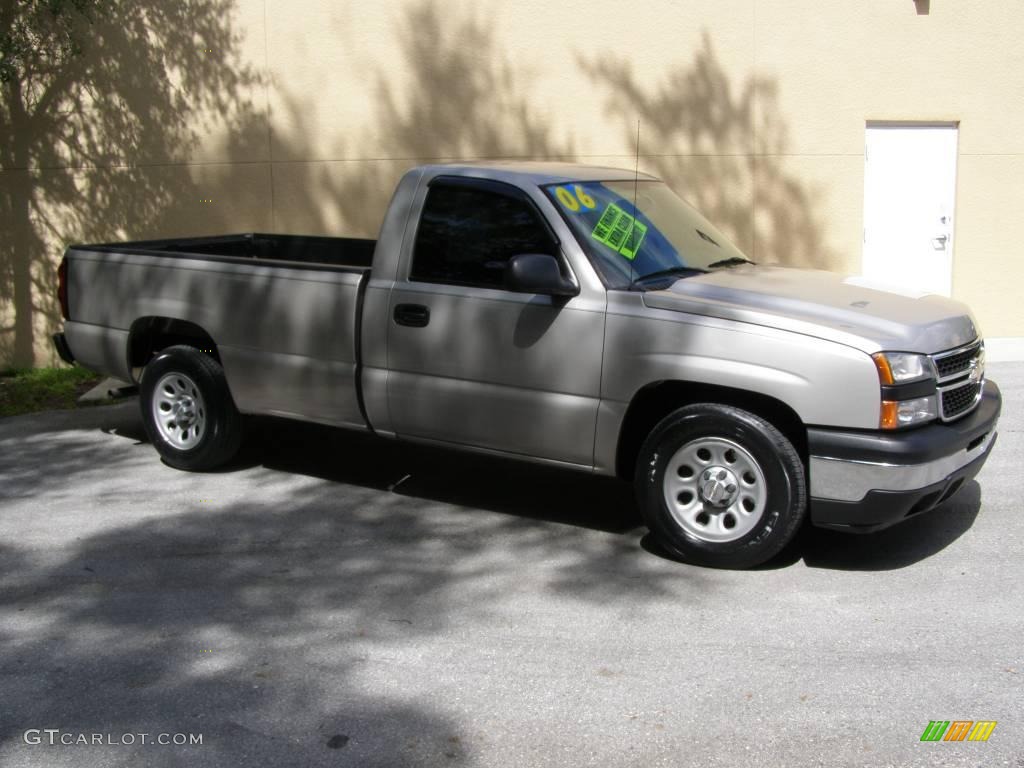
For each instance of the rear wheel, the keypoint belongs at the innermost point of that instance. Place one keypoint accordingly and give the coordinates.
(720, 486)
(188, 411)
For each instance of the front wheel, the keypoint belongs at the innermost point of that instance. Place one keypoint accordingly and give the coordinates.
(720, 486)
(188, 411)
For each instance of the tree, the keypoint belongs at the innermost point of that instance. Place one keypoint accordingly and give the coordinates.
(37, 33)
(95, 95)
(37, 39)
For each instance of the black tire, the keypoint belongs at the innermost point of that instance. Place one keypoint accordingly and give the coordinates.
(780, 488)
(189, 372)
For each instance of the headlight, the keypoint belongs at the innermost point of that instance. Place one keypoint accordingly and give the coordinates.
(899, 406)
(901, 367)
(904, 413)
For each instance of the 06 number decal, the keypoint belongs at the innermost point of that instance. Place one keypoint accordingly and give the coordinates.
(566, 198)
(585, 200)
(575, 201)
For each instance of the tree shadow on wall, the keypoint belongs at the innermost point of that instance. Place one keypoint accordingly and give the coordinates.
(455, 97)
(467, 101)
(92, 146)
(722, 147)
(91, 141)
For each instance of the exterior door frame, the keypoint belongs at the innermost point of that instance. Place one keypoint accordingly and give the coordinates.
(950, 245)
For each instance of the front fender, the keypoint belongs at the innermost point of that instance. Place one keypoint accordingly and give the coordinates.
(821, 381)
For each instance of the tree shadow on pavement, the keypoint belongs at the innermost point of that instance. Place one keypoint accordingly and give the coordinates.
(528, 492)
(249, 624)
(524, 491)
(277, 614)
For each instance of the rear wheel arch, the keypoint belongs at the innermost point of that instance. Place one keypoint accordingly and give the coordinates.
(148, 336)
(657, 400)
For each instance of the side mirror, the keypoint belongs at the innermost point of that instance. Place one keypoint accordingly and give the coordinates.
(537, 273)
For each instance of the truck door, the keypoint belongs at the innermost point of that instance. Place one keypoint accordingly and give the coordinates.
(474, 364)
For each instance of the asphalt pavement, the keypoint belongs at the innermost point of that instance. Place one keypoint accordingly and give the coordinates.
(335, 599)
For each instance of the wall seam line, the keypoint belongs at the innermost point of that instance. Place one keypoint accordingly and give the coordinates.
(266, 101)
(753, 136)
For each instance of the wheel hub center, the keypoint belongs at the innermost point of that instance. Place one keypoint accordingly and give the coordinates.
(184, 411)
(718, 487)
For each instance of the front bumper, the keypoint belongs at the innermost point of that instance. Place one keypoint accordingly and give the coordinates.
(865, 481)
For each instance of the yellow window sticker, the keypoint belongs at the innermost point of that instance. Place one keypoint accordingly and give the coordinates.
(566, 198)
(576, 199)
(585, 200)
(619, 231)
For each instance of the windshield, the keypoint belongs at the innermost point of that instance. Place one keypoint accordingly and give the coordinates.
(663, 236)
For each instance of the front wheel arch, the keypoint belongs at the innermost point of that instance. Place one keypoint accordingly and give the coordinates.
(657, 400)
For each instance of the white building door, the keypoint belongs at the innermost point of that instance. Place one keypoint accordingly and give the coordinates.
(909, 203)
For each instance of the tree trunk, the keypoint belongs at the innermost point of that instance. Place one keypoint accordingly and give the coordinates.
(21, 251)
(22, 244)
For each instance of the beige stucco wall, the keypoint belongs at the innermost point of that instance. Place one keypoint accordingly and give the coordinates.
(755, 110)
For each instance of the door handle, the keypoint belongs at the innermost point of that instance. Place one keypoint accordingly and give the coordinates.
(939, 243)
(412, 315)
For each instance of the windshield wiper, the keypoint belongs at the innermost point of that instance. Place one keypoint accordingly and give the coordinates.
(731, 261)
(669, 273)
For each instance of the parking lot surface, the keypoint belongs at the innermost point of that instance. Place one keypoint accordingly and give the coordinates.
(335, 599)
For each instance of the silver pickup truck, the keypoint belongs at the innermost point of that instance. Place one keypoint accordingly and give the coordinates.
(578, 316)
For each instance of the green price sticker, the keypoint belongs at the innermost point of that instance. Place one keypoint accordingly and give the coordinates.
(619, 231)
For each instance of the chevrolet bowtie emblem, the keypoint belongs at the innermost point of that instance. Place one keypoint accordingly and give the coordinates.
(976, 372)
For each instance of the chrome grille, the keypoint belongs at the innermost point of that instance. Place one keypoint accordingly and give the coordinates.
(960, 399)
(961, 378)
(951, 364)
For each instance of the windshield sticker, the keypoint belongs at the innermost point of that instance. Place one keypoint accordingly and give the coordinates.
(566, 198)
(619, 231)
(575, 202)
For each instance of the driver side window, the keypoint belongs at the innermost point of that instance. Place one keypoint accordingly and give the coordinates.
(466, 236)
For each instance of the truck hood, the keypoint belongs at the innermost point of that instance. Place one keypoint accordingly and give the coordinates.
(849, 310)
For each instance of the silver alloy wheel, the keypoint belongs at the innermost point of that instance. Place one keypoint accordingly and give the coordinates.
(715, 489)
(179, 411)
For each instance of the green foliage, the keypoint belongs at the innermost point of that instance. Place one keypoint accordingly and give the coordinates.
(95, 94)
(39, 34)
(43, 389)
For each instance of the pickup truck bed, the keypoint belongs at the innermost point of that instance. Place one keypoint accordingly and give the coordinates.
(348, 252)
(300, 295)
